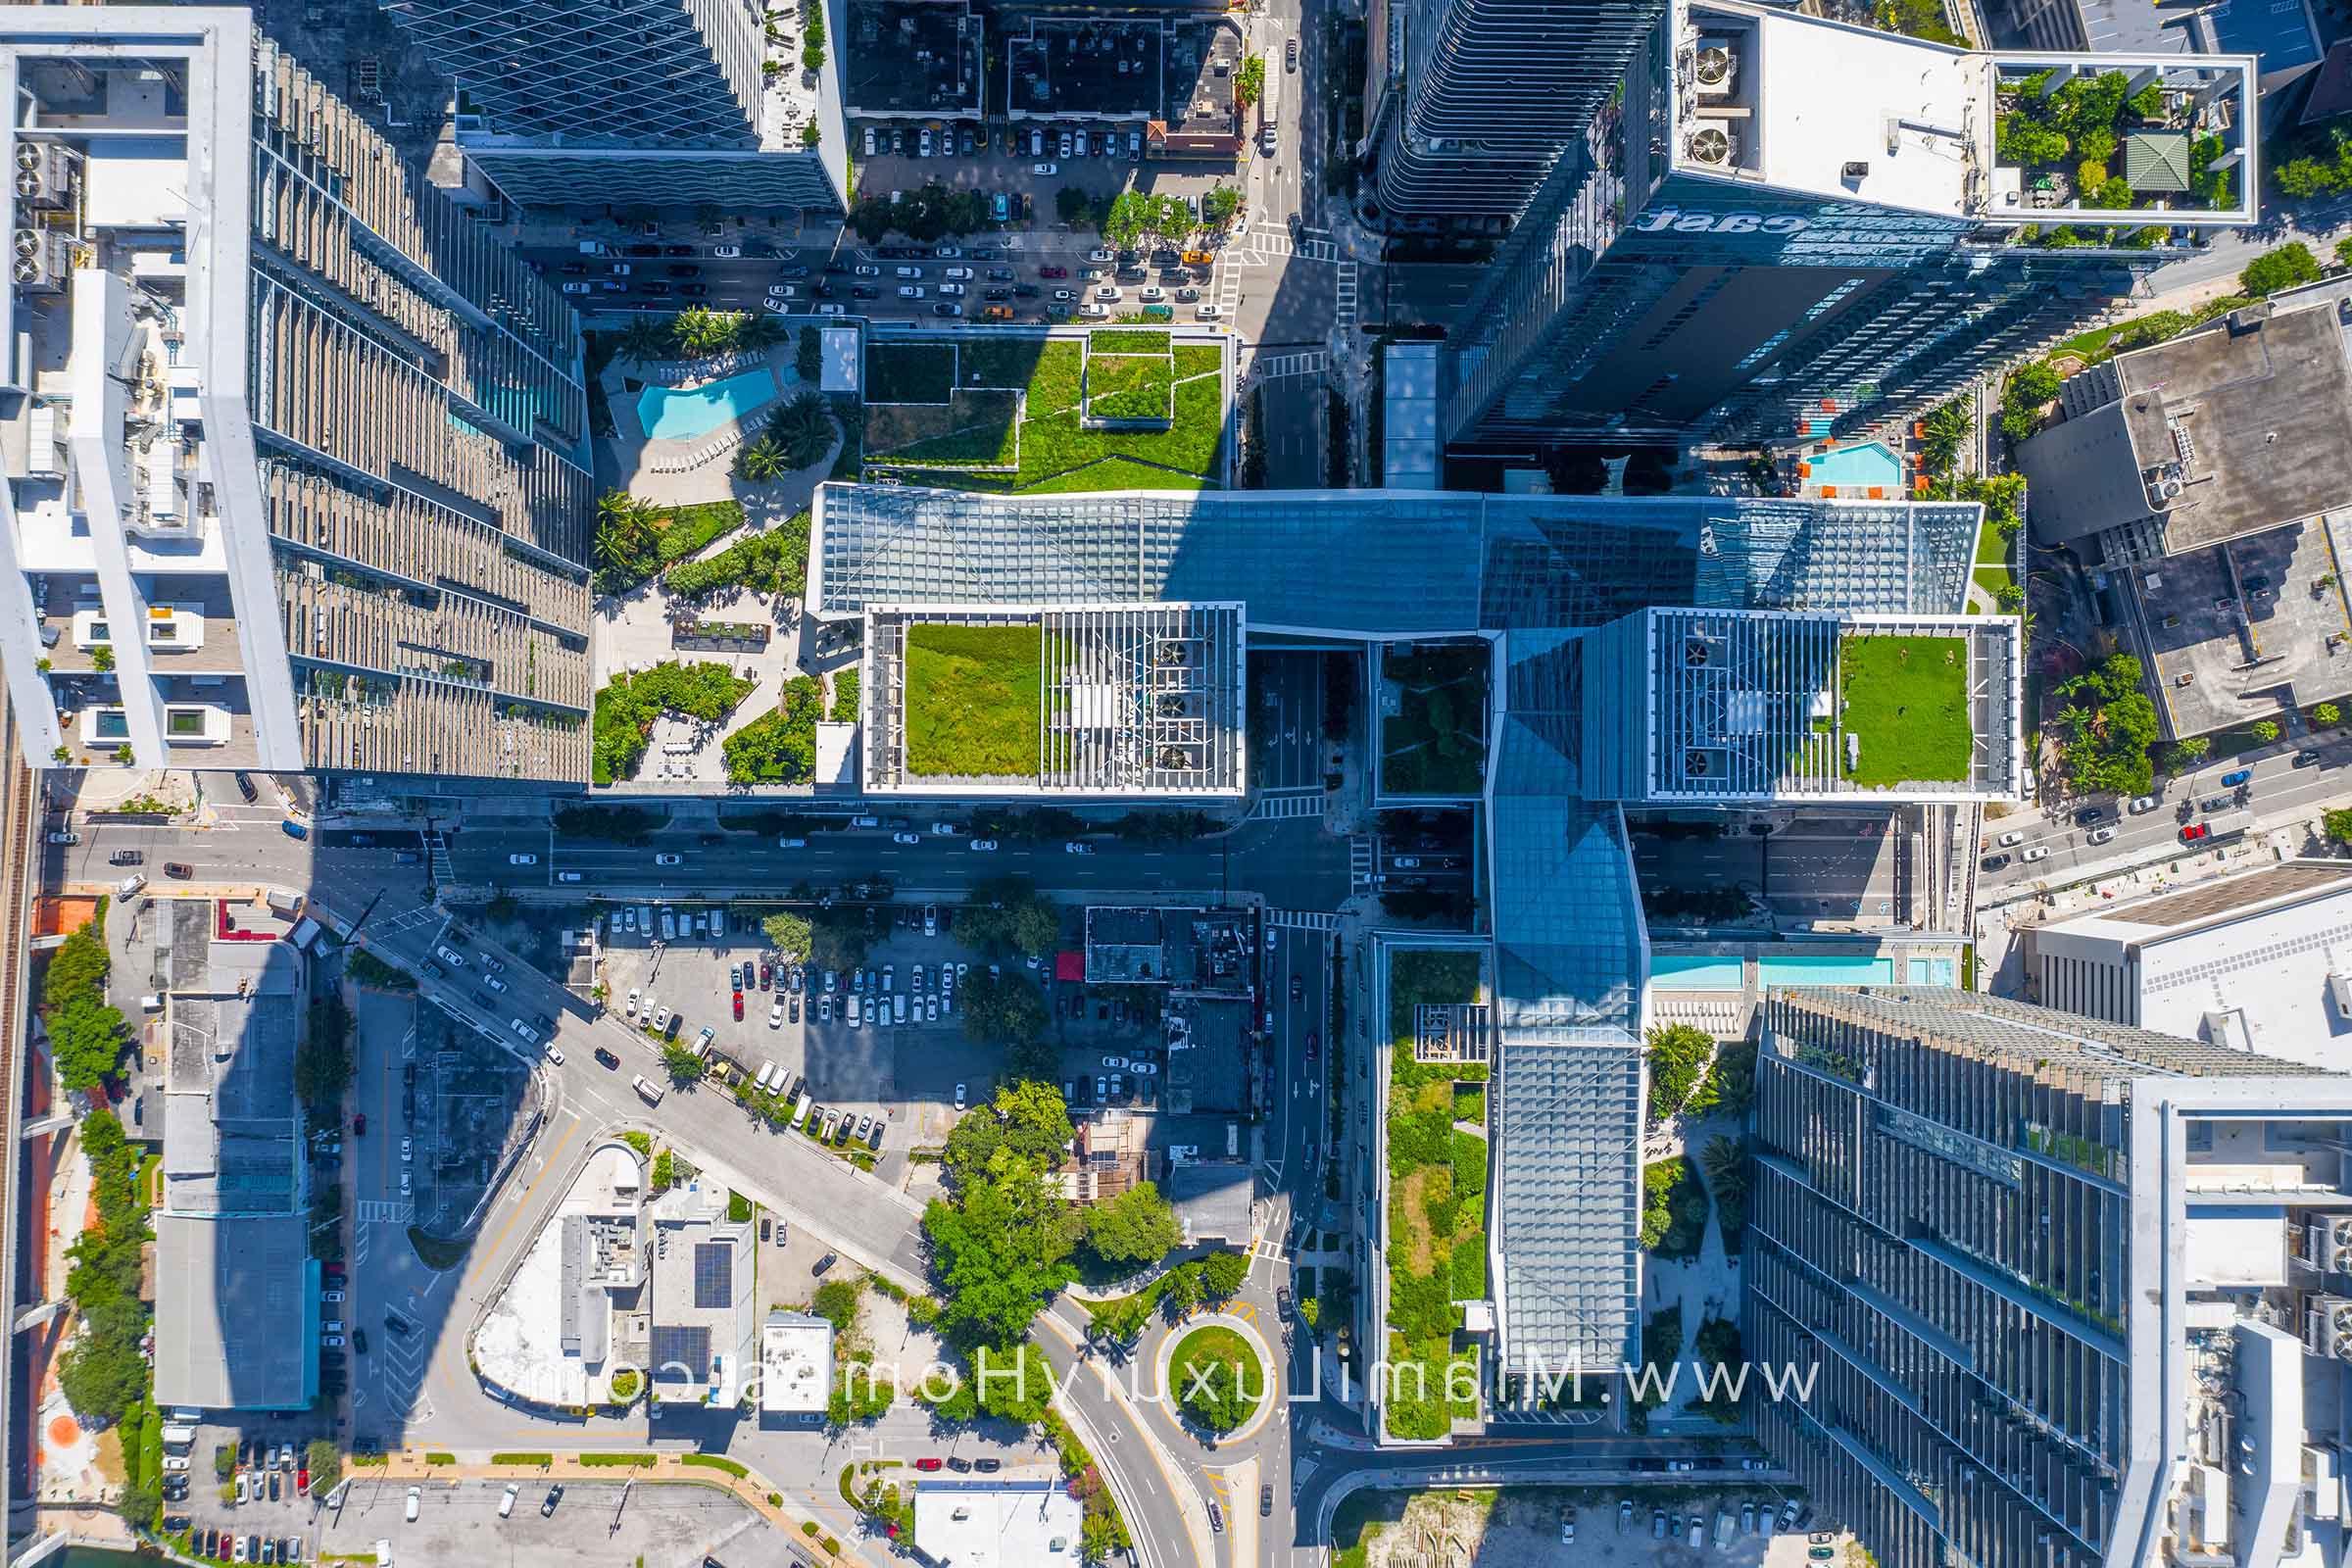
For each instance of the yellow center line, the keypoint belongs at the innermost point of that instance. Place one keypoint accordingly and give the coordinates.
(546, 1170)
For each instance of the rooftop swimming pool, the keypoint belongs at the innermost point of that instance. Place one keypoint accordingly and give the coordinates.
(1695, 971)
(1860, 465)
(1826, 969)
(680, 413)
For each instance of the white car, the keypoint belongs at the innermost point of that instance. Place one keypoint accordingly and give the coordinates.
(911, 292)
(2039, 852)
(984, 845)
(330, 1298)
(775, 1015)
(832, 309)
(905, 838)
(333, 1342)
(175, 1461)
(1145, 1069)
(2103, 835)
(1100, 256)
(1045, 169)
(555, 1054)
(726, 252)
(668, 859)
(930, 1009)
(1077, 847)
(2013, 836)
(1114, 1061)
(579, 288)
(1106, 293)
(415, 1501)
(522, 859)
(961, 274)
(781, 292)
(630, 1010)
(408, 1150)
(1064, 295)
(506, 1501)
(947, 830)
(951, 290)
(949, 253)
(865, 270)
(2147, 802)
(960, 1097)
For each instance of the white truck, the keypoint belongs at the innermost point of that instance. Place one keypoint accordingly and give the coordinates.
(1268, 118)
(647, 1090)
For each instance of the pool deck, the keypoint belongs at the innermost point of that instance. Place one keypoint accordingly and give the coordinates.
(680, 472)
(1727, 1013)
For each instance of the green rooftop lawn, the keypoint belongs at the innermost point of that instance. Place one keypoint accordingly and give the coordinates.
(908, 372)
(1436, 742)
(974, 696)
(1436, 1232)
(1907, 698)
(1129, 386)
(979, 428)
(1054, 453)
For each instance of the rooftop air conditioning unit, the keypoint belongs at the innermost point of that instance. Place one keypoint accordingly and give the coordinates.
(44, 174)
(1715, 67)
(39, 261)
(1711, 145)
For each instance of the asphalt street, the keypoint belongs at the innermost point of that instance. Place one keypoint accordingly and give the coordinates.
(2279, 793)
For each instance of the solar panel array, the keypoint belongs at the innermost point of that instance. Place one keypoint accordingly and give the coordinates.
(714, 1273)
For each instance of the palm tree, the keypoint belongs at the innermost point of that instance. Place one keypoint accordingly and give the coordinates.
(646, 338)
(1725, 1160)
(803, 428)
(624, 531)
(762, 460)
(700, 332)
(758, 332)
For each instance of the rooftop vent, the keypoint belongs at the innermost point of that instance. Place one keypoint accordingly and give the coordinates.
(1711, 145)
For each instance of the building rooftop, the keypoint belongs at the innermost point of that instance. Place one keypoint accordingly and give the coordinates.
(236, 1326)
(2258, 960)
(996, 1524)
(912, 58)
(2234, 429)
(703, 1328)
(1208, 1067)
(1135, 700)
(1387, 562)
(1211, 1198)
(795, 1365)
(1186, 949)
(1789, 706)
(550, 1335)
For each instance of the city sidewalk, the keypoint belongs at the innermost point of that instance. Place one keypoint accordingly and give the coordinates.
(753, 1490)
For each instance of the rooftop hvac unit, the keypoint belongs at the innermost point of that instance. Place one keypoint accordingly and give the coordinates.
(1711, 145)
(2336, 1247)
(39, 261)
(1715, 67)
(44, 174)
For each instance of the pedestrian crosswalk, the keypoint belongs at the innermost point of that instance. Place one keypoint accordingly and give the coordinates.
(1345, 305)
(1309, 362)
(1359, 863)
(1302, 920)
(1273, 807)
(1229, 290)
(1307, 247)
(385, 1211)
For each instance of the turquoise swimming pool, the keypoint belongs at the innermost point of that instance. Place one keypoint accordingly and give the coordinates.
(1826, 970)
(1935, 973)
(1694, 971)
(1860, 465)
(680, 413)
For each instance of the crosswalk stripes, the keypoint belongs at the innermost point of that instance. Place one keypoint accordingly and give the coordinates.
(385, 1211)
(1308, 248)
(1302, 920)
(1285, 808)
(1346, 297)
(1359, 863)
(1309, 362)
(1229, 290)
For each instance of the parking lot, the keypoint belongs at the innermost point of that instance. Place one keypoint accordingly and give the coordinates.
(1526, 1527)
(2211, 614)
(458, 1522)
(267, 1492)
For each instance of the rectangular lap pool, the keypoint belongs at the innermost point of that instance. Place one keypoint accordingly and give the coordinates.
(1827, 969)
(680, 413)
(1694, 971)
(1859, 467)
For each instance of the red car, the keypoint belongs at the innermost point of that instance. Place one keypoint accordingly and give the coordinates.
(926, 1464)
(359, 1123)
(302, 1480)
(767, 975)
(1052, 272)
(738, 1004)
(2193, 832)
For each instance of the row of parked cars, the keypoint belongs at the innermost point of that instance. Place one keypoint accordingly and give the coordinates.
(230, 1545)
(1034, 141)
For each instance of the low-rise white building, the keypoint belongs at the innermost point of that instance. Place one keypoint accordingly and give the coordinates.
(996, 1524)
(795, 1365)
(2257, 960)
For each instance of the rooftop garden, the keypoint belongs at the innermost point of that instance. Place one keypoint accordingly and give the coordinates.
(1906, 698)
(2091, 142)
(1436, 1203)
(974, 699)
(1010, 415)
(1432, 720)
(625, 710)
(635, 538)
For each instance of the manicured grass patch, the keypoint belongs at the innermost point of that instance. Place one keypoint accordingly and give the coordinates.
(980, 429)
(625, 710)
(1007, 361)
(440, 1458)
(1418, 976)
(1055, 445)
(714, 1461)
(1233, 1381)
(543, 1461)
(1993, 579)
(1117, 473)
(1991, 548)
(1127, 342)
(1907, 698)
(778, 746)
(618, 1461)
(974, 696)
(1434, 744)
(908, 372)
(1199, 359)
(1053, 379)
(892, 427)
(1129, 386)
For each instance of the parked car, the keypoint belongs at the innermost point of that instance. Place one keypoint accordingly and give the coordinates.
(2237, 779)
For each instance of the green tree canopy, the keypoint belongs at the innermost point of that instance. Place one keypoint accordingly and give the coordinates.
(1026, 1122)
(789, 934)
(2105, 728)
(1007, 1011)
(682, 1065)
(999, 1247)
(1007, 914)
(1222, 1273)
(2285, 266)
(1139, 1226)
(1678, 1056)
(1249, 82)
